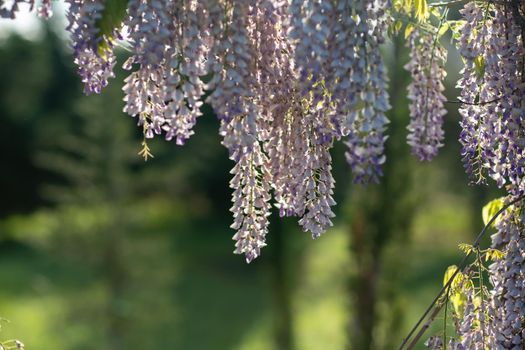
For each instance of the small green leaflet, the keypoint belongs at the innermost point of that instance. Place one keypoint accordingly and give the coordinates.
(455, 27)
(443, 29)
(457, 290)
(490, 209)
(408, 30)
(112, 17)
(421, 9)
(479, 63)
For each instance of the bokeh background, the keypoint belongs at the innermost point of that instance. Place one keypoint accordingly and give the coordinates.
(100, 250)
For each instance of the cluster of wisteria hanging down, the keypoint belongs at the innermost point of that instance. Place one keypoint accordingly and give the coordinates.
(286, 79)
(492, 106)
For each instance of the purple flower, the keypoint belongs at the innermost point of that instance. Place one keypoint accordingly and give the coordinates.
(427, 68)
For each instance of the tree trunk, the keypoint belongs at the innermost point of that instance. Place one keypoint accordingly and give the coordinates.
(380, 216)
(283, 329)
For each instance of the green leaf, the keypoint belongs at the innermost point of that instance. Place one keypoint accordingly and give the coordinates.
(398, 26)
(466, 248)
(409, 6)
(479, 63)
(398, 4)
(408, 30)
(494, 254)
(417, 7)
(451, 270)
(112, 17)
(443, 29)
(421, 9)
(490, 209)
(457, 292)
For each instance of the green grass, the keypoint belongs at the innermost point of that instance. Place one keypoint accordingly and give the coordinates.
(184, 289)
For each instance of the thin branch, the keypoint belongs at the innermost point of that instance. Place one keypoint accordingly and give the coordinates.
(448, 3)
(458, 101)
(445, 320)
(426, 326)
(457, 2)
(434, 305)
(482, 292)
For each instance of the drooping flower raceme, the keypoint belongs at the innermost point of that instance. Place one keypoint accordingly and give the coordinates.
(93, 51)
(426, 66)
(507, 275)
(165, 92)
(493, 140)
(9, 10)
(287, 79)
(473, 49)
(492, 91)
(475, 331)
(366, 123)
(504, 84)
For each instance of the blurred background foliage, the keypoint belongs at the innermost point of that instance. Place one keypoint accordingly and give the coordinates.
(99, 250)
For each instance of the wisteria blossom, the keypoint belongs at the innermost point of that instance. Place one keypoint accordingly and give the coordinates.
(288, 79)
(472, 48)
(93, 51)
(491, 96)
(9, 9)
(508, 278)
(427, 68)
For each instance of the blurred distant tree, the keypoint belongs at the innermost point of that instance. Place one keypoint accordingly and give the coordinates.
(282, 289)
(32, 106)
(378, 219)
(93, 162)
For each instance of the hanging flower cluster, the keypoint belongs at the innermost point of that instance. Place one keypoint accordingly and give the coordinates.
(493, 139)
(493, 88)
(507, 275)
(427, 68)
(490, 41)
(286, 79)
(9, 10)
(474, 332)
